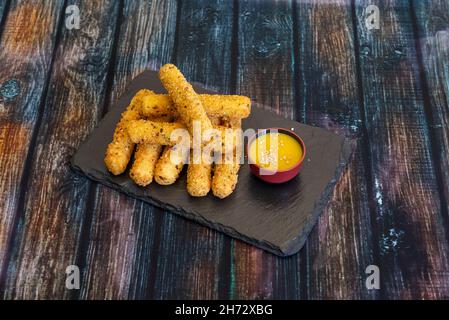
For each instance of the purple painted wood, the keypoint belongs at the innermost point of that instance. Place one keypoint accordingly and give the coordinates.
(124, 232)
(49, 234)
(340, 247)
(390, 208)
(265, 72)
(193, 261)
(411, 235)
(27, 42)
(432, 22)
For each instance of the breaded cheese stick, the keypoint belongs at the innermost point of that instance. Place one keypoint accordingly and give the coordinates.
(235, 106)
(199, 178)
(166, 171)
(199, 174)
(226, 174)
(145, 159)
(146, 131)
(120, 150)
(185, 99)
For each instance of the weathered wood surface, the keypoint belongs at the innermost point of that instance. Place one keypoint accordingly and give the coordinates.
(313, 61)
(411, 236)
(265, 72)
(124, 232)
(193, 262)
(339, 247)
(53, 213)
(3, 12)
(432, 23)
(27, 42)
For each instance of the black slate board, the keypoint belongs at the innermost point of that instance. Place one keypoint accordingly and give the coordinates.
(276, 218)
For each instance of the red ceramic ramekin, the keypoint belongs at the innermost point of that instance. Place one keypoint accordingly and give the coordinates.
(279, 176)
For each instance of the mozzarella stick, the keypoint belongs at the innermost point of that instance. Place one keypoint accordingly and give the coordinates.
(145, 158)
(226, 174)
(167, 171)
(146, 131)
(199, 174)
(120, 150)
(185, 99)
(155, 105)
(199, 178)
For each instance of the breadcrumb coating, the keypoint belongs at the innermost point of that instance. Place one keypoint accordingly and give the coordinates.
(226, 174)
(146, 131)
(199, 178)
(167, 172)
(232, 106)
(145, 159)
(119, 151)
(185, 99)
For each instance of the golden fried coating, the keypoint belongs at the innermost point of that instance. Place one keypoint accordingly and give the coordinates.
(146, 131)
(145, 158)
(232, 122)
(199, 175)
(120, 150)
(185, 99)
(233, 106)
(199, 178)
(147, 122)
(156, 104)
(226, 105)
(226, 174)
(166, 171)
(225, 179)
(216, 121)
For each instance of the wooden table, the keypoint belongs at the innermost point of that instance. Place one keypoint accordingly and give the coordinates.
(316, 62)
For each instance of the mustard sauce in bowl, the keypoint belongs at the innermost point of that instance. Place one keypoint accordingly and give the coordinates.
(276, 155)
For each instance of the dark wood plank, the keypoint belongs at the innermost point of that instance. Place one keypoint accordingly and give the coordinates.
(3, 13)
(27, 42)
(191, 261)
(119, 258)
(48, 237)
(411, 237)
(339, 247)
(265, 73)
(432, 22)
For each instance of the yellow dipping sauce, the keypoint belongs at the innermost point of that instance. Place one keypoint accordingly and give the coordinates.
(275, 151)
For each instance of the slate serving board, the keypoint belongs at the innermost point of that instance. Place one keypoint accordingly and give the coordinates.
(276, 218)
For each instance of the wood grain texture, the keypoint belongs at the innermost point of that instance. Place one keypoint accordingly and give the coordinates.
(433, 40)
(339, 247)
(53, 215)
(120, 255)
(191, 263)
(3, 12)
(265, 72)
(27, 42)
(136, 251)
(411, 236)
